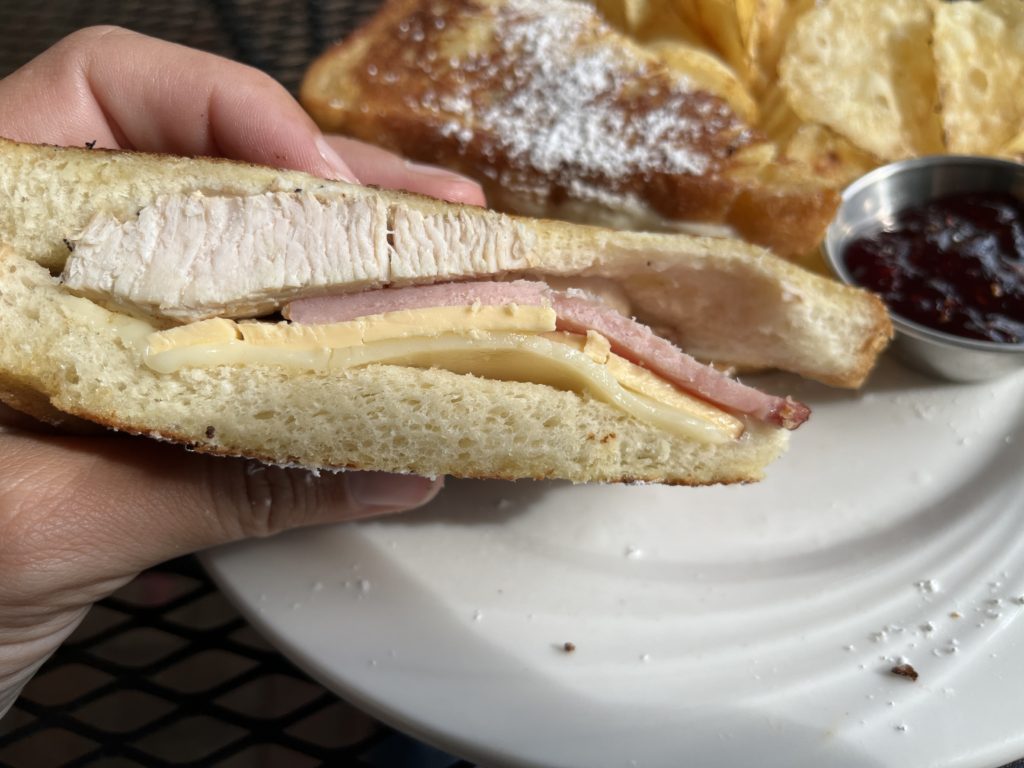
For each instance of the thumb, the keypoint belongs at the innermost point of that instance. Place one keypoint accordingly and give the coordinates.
(92, 510)
(253, 499)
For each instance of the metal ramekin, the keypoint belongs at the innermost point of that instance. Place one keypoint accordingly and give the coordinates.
(872, 201)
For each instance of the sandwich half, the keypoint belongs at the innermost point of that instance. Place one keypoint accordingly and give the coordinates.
(255, 312)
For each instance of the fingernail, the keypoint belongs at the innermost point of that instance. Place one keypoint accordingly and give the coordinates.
(456, 188)
(376, 492)
(421, 169)
(339, 168)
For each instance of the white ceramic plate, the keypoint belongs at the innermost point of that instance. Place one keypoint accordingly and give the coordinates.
(712, 627)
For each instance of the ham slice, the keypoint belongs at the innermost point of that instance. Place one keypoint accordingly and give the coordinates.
(340, 308)
(576, 314)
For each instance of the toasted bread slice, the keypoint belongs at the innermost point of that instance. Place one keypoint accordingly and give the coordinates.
(719, 299)
(559, 115)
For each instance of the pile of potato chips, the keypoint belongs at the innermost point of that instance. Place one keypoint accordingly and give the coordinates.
(843, 86)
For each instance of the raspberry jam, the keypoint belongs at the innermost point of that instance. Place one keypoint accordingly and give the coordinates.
(955, 264)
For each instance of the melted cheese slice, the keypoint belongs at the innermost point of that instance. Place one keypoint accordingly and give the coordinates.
(503, 343)
(399, 325)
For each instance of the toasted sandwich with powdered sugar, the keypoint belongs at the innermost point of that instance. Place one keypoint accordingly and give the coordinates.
(256, 312)
(559, 115)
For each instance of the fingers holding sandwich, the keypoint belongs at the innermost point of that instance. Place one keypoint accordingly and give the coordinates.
(112, 88)
(81, 514)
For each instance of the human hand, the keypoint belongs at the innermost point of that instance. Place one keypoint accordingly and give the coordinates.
(82, 512)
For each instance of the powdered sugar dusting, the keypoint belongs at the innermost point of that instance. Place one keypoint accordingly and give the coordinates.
(552, 104)
(564, 111)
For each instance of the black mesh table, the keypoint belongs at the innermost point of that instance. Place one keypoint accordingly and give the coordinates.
(166, 673)
(277, 36)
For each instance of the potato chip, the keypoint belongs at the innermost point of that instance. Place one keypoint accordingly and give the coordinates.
(645, 20)
(746, 16)
(689, 11)
(717, 26)
(709, 73)
(765, 26)
(638, 12)
(614, 12)
(820, 151)
(979, 54)
(778, 120)
(827, 156)
(1014, 150)
(667, 23)
(749, 28)
(865, 69)
(721, 26)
